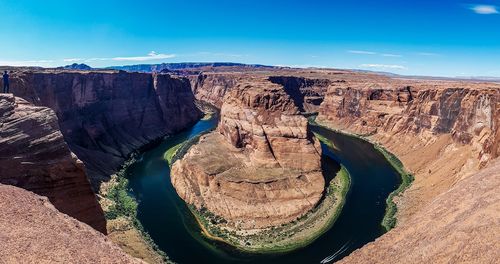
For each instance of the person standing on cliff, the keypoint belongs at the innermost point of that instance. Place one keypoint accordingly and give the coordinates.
(6, 82)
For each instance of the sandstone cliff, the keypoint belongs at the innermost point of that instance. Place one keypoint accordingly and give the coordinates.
(308, 93)
(440, 132)
(261, 167)
(211, 88)
(35, 157)
(104, 116)
(459, 226)
(33, 231)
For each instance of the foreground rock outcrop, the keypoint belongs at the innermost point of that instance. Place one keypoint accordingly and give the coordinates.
(33, 231)
(459, 226)
(35, 157)
(261, 167)
(104, 116)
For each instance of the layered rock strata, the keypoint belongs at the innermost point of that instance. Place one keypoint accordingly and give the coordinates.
(261, 167)
(35, 157)
(441, 133)
(104, 116)
(211, 88)
(459, 226)
(308, 93)
(33, 231)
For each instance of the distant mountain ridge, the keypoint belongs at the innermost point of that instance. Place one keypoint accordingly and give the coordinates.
(185, 65)
(76, 66)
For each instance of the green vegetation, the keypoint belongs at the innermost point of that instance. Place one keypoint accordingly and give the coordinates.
(170, 153)
(407, 178)
(297, 234)
(124, 205)
(389, 221)
(325, 141)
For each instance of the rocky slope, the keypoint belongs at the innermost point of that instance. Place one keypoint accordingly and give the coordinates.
(104, 116)
(441, 133)
(307, 93)
(33, 231)
(211, 88)
(261, 167)
(459, 226)
(35, 157)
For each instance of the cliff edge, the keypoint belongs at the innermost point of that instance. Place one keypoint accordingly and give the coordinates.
(33, 231)
(35, 157)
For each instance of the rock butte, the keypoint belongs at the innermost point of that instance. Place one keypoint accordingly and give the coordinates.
(445, 131)
(261, 167)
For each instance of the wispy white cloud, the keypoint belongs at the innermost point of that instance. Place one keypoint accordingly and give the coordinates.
(362, 52)
(73, 60)
(427, 54)
(27, 63)
(49, 63)
(484, 9)
(391, 55)
(151, 56)
(219, 54)
(365, 52)
(384, 66)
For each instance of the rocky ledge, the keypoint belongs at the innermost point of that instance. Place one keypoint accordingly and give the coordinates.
(261, 168)
(33, 231)
(35, 157)
(459, 226)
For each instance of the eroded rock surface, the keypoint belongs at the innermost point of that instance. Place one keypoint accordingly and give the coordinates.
(459, 226)
(441, 133)
(33, 231)
(35, 157)
(104, 116)
(261, 167)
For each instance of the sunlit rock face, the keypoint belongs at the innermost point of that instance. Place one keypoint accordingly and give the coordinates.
(443, 131)
(261, 167)
(33, 231)
(104, 116)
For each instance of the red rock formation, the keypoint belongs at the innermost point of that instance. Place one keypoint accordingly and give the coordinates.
(261, 168)
(459, 226)
(211, 88)
(468, 115)
(307, 93)
(440, 132)
(33, 231)
(104, 116)
(35, 157)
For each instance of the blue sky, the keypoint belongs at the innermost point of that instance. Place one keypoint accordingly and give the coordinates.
(440, 37)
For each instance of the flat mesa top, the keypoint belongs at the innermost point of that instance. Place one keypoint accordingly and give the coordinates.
(215, 156)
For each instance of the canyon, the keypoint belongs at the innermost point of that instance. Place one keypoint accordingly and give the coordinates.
(36, 158)
(105, 116)
(261, 167)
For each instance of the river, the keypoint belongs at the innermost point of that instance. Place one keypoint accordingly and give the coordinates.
(170, 224)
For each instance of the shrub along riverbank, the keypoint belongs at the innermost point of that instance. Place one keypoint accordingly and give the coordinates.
(120, 209)
(288, 237)
(407, 178)
(389, 221)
